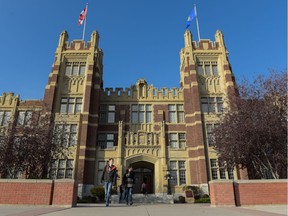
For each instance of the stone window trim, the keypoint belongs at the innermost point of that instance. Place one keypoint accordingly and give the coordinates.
(24, 118)
(75, 68)
(207, 68)
(177, 140)
(107, 114)
(62, 169)
(212, 105)
(100, 167)
(71, 105)
(107, 140)
(209, 127)
(176, 113)
(5, 117)
(67, 133)
(141, 113)
(220, 171)
(177, 169)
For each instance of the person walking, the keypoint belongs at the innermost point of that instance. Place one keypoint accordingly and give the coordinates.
(144, 188)
(109, 177)
(128, 181)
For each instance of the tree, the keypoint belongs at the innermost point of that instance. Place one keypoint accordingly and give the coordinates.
(31, 149)
(253, 134)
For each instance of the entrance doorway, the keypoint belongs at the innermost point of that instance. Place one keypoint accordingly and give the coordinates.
(144, 171)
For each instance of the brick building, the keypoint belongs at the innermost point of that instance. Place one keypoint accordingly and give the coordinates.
(158, 131)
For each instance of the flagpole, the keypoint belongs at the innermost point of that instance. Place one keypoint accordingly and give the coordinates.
(85, 22)
(197, 22)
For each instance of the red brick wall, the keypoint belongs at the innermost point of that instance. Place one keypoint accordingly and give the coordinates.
(259, 192)
(221, 193)
(38, 192)
(65, 192)
(248, 192)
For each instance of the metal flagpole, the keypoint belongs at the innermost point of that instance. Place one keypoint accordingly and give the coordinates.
(197, 22)
(85, 22)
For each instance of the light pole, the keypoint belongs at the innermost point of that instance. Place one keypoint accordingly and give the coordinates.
(168, 177)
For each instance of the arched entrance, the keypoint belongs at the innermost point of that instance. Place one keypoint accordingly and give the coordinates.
(144, 171)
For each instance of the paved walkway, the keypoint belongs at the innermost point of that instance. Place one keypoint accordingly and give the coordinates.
(144, 210)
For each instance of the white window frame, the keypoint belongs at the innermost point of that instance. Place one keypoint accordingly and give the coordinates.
(177, 171)
(177, 140)
(65, 166)
(176, 113)
(75, 68)
(141, 113)
(71, 105)
(5, 116)
(24, 118)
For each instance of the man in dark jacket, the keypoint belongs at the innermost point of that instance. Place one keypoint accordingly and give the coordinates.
(128, 181)
(109, 177)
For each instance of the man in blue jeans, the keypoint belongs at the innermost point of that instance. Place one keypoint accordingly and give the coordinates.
(109, 177)
(129, 180)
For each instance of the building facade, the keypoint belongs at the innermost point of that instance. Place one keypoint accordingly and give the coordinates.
(159, 131)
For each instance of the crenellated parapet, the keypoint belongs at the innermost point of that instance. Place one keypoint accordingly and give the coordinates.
(64, 44)
(9, 100)
(142, 91)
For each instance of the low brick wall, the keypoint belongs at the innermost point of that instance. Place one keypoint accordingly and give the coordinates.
(248, 192)
(38, 192)
(221, 193)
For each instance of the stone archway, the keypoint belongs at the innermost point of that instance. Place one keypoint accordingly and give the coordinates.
(144, 171)
(144, 168)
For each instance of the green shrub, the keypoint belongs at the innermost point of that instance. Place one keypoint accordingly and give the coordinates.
(181, 199)
(205, 196)
(99, 192)
(202, 200)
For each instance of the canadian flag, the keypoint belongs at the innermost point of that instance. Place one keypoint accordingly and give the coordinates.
(82, 16)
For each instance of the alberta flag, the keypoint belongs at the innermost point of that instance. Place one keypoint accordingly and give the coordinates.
(82, 16)
(191, 16)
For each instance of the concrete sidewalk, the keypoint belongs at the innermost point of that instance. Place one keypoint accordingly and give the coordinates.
(144, 210)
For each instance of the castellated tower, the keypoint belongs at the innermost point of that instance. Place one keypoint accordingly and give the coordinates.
(73, 94)
(164, 134)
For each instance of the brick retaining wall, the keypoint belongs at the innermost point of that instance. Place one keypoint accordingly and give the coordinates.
(248, 192)
(38, 192)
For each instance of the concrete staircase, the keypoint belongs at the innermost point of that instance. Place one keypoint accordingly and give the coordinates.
(146, 199)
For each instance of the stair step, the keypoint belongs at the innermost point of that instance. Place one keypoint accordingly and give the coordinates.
(149, 198)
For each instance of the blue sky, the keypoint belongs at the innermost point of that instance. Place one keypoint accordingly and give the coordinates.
(140, 39)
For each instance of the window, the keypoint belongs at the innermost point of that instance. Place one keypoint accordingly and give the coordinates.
(107, 113)
(71, 105)
(176, 113)
(222, 174)
(111, 113)
(207, 68)
(67, 134)
(141, 113)
(24, 118)
(177, 140)
(62, 168)
(209, 133)
(200, 69)
(177, 172)
(212, 104)
(230, 173)
(75, 68)
(101, 167)
(220, 171)
(4, 118)
(215, 69)
(106, 141)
